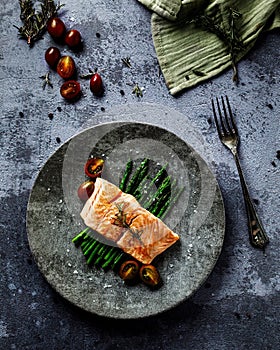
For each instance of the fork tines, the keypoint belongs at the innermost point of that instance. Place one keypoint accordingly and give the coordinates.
(227, 124)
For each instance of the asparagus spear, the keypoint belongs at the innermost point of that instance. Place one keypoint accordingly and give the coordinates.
(146, 192)
(78, 239)
(86, 244)
(126, 175)
(139, 180)
(160, 200)
(164, 185)
(165, 209)
(110, 258)
(93, 253)
(142, 168)
(101, 253)
(90, 248)
(117, 259)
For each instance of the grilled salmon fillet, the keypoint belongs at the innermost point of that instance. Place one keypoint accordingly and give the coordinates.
(120, 218)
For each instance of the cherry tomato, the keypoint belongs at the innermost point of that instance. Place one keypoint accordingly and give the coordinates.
(85, 190)
(93, 167)
(70, 90)
(129, 270)
(96, 85)
(52, 56)
(150, 276)
(73, 38)
(56, 28)
(66, 67)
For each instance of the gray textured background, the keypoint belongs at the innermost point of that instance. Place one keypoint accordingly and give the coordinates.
(238, 306)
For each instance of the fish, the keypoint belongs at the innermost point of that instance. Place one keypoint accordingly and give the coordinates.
(120, 219)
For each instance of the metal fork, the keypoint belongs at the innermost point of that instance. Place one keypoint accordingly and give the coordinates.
(228, 135)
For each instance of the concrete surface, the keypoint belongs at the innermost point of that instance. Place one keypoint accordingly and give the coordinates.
(238, 306)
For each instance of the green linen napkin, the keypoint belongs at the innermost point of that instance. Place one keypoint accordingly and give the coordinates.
(193, 41)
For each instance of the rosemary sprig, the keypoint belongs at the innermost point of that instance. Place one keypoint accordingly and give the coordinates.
(126, 61)
(34, 22)
(235, 43)
(88, 75)
(228, 33)
(121, 218)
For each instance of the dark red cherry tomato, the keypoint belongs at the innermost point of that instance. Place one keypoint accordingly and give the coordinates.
(66, 67)
(150, 276)
(52, 56)
(96, 85)
(94, 167)
(56, 28)
(85, 190)
(70, 90)
(129, 270)
(73, 38)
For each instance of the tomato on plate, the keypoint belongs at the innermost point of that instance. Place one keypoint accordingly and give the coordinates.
(94, 167)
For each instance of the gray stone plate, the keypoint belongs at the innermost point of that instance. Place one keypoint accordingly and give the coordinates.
(53, 219)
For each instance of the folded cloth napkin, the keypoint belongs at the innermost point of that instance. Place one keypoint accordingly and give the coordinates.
(197, 39)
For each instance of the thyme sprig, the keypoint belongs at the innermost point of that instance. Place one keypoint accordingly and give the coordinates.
(137, 90)
(47, 80)
(122, 221)
(35, 22)
(227, 32)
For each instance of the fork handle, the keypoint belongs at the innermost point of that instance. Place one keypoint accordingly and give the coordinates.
(258, 237)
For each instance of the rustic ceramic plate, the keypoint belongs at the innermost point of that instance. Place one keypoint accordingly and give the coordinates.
(53, 220)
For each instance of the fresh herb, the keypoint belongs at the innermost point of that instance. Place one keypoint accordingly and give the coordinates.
(137, 91)
(35, 22)
(121, 219)
(126, 61)
(235, 44)
(88, 75)
(227, 32)
(47, 80)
